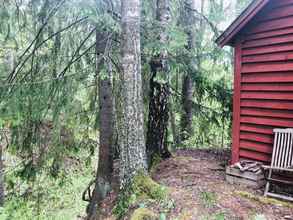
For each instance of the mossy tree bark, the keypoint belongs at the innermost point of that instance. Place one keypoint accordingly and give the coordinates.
(131, 126)
(159, 91)
(105, 161)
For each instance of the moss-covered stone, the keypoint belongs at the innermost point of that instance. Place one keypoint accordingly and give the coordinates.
(142, 190)
(144, 186)
(144, 214)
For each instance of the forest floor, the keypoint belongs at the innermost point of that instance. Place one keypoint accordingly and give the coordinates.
(198, 190)
(198, 187)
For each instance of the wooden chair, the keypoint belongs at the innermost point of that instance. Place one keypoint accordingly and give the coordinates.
(282, 160)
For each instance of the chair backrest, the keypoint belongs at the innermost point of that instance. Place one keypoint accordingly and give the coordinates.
(283, 149)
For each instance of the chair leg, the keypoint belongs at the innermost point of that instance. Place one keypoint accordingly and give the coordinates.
(267, 188)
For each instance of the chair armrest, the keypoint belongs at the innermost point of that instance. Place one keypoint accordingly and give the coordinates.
(266, 167)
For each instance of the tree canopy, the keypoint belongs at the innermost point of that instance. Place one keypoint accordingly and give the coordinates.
(56, 55)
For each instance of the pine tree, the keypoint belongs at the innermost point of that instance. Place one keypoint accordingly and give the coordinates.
(159, 91)
(187, 81)
(105, 160)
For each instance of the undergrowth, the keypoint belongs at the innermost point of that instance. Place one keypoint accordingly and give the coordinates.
(48, 198)
(141, 192)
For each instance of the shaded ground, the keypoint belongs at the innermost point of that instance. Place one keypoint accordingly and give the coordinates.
(198, 190)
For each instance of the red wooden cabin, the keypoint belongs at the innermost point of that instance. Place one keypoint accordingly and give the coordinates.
(263, 84)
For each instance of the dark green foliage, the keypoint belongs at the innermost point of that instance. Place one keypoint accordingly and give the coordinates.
(49, 89)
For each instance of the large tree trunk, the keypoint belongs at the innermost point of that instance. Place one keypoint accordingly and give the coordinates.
(159, 93)
(131, 126)
(105, 161)
(187, 81)
(2, 195)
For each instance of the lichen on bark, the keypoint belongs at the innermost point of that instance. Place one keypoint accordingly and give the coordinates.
(131, 125)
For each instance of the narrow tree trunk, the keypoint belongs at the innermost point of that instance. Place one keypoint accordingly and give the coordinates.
(159, 93)
(187, 81)
(131, 131)
(105, 162)
(187, 102)
(2, 195)
(176, 139)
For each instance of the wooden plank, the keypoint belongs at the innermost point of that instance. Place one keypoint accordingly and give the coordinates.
(256, 137)
(286, 151)
(281, 181)
(267, 67)
(261, 129)
(268, 41)
(271, 57)
(272, 25)
(267, 95)
(254, 155)
(287, 130)
(276, 158)
(242, 181)
(280, 32)
(276, 140)
(278, 196)
(290, 155)
(247, 174)
(282, 3)
(256, 146)
(268, 49)
(281, 77)
(236, 103)
(268, 104)
(275, 13)
(271, 13)
(287, 114)
(286, 123)
(267, 87)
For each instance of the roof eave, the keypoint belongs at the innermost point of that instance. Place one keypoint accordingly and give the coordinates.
(227, 37)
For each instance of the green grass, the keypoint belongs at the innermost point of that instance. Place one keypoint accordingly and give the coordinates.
(217, 216)
(209, 199)
(58, 200)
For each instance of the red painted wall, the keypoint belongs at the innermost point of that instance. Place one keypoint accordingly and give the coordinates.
(263, 83)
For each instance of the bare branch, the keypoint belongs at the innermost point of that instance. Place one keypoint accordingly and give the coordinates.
(206, 19)
(13, 74)
(40, 44)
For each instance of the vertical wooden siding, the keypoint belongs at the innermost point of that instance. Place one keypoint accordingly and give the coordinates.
(263, 97)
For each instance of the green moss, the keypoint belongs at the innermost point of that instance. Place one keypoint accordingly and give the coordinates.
(142, 189)
(143, 214)
(264, 200)
(144, 186)
(155, 162)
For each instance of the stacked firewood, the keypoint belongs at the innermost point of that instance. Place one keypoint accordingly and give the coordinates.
(246, 165)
